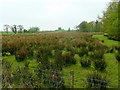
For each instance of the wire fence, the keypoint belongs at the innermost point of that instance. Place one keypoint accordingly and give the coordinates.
(52, 78)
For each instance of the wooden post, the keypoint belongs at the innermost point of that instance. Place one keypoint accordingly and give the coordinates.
(72, 78)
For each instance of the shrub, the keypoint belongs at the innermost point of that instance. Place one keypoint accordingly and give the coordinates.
(43, 53)
(21, 54)
(30, 51)
(59, 61)
(6, 54)
(96, 45)
(82, 51)
(91, 54)
(96, 80)
(70, 49)
(100, 64)
(98, 54)
(68, 58)
(80, 43)
(42, 56)
(118, 57)
(85, 62)
(111, 49)
(12, 47)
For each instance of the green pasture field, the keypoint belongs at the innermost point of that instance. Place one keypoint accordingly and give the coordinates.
(107, 41)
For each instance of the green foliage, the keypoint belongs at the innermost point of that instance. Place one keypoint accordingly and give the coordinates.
(68, 58)
(6, 54)
(110, 20)
(59, 61)
(33, 30)
(96, 80)
(100, 64)
(82, 26)
(20, 28)
(98, 26)
(82, 51)
(85, 61)
(90, 26)
(97, 54)
(43, 53)
(30, 51)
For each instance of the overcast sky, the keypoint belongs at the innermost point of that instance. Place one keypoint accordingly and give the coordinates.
(50, 14)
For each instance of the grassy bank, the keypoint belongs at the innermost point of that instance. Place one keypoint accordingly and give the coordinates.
(107, 41)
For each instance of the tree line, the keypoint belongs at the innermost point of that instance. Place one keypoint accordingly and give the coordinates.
(20, 29)
(109, 22)
(93, 26)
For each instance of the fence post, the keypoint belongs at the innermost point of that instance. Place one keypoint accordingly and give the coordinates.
(72, 78)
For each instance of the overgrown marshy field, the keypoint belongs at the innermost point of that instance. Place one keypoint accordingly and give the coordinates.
(59, 60)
